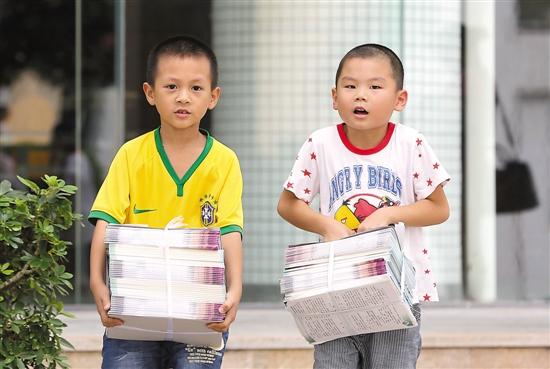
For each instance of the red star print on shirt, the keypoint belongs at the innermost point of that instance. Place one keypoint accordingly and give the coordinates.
(307, 191)
(309, 140)
(429, 182)
(427, 271)
(426, 297)
(418, 142)
(415, 175)
(424, 251)
(436, 165)
(306, 173)
(290, 185)
(313, 156)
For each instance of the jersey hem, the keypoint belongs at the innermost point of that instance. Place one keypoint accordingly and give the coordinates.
(230, 229)
(98, 214)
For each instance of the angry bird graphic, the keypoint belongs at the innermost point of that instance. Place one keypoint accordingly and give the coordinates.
(345, 215)
(363, 207)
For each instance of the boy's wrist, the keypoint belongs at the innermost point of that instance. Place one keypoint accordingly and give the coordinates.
(325, 225)
(234, 296)
(97, 283)
(392, 214)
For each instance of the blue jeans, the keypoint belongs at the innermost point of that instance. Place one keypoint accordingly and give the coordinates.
(125, 354)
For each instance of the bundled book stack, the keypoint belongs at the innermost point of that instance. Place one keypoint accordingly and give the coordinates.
(166, 284)
(356, 285)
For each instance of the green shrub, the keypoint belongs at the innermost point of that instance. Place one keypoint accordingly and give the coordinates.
(32, 274)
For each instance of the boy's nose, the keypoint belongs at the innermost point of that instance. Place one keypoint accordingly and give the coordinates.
(360, 97)
(360, 94)
(182, 97)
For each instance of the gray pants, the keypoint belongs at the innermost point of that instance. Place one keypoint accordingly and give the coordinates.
(397, 349)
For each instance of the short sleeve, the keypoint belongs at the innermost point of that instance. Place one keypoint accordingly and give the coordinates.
(428, 171)
(230, 209)
(113, 198)
(303, 180)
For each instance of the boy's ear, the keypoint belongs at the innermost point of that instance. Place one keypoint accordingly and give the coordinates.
(334, 103)
(214, 97)
(149, 93)
(401, 101)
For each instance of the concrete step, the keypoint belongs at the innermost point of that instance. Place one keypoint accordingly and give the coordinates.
(454, 336)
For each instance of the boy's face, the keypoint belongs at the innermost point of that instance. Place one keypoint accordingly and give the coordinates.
(182, 91)
(366, 94)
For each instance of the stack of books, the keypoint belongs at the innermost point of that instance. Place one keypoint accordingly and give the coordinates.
(356, 285)
(166, 284)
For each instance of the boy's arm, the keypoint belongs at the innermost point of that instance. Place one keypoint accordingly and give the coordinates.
(299, 214)
(233, 255)
(97, 275)
(434, 209)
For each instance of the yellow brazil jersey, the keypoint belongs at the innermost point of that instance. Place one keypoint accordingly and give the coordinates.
(143, 188)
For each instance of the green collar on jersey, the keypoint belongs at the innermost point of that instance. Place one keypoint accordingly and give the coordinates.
(180, 182)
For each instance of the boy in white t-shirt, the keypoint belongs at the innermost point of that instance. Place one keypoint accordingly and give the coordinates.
(368, 173)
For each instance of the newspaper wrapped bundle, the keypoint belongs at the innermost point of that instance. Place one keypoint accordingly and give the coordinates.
(356, 285)
(166, 284)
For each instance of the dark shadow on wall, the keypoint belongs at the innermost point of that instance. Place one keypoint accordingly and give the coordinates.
(147, 23)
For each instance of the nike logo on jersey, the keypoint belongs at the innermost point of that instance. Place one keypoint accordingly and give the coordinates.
(141, 211)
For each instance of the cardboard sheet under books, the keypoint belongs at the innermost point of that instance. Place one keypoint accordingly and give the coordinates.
(356, 285)
(165, 284)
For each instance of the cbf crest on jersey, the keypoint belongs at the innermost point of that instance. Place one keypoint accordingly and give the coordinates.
(208, 210)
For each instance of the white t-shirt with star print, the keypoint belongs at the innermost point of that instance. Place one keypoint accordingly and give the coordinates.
(352, 183)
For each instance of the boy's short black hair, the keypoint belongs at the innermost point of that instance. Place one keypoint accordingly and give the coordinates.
(373, 50)
(182, 46)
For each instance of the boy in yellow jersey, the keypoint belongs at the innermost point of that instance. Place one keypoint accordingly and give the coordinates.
(176, 170)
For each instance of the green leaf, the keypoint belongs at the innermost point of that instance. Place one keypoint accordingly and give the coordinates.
(57, 323)
(20, 364)
(15, 328)
(5, 187)
(30, 184)
(69, 189)
(65, 343)
(67, 314)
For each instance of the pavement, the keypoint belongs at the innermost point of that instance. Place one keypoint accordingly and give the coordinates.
(457, 325)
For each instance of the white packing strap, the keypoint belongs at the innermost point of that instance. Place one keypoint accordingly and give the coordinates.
(403, 276)
(399, 230)
(176, 222)
(330, 266)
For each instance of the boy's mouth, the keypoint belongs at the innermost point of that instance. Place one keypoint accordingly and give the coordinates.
(360, 111)
(182, 112)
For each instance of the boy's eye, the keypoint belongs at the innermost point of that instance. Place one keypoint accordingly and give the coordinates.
(171, 86)
(375, 87)
(196, 88)
(349, 86)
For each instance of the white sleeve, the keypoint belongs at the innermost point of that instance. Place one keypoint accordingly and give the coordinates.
(303, 180)
(428, 171)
